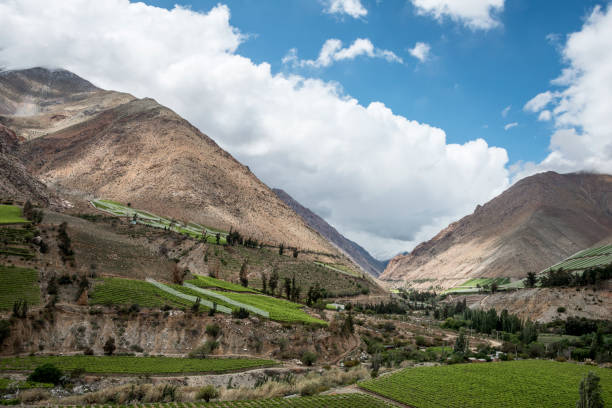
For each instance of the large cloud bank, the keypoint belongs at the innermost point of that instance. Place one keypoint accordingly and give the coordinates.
(580, 103)
(383, 179)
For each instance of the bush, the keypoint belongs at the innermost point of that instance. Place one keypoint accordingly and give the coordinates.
(109, 346)
(308, 358)
(213, 330)
(420, 341)
(241, 313)
(207, 393)
(46, 373)
(561, 309)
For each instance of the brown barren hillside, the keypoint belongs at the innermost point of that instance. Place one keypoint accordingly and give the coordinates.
(108, 144)
(538, 221)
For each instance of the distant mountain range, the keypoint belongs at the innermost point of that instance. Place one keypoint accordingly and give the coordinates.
(352, 249)
(537, 222)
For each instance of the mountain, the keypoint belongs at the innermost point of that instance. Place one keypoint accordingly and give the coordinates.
(91, 142)
(358, 254)
(537, 222)
(17, 183)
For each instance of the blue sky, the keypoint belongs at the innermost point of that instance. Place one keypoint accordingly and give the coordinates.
(334, 102)
(470, 78)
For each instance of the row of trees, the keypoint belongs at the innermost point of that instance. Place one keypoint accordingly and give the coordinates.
(561, 277)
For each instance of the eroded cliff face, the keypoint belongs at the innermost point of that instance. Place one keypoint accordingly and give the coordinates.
(71, 329)
(542, 304)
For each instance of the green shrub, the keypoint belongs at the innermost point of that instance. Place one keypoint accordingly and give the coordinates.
(46, 373)
(213, 330)
(561, 309)
(207, 393)
(308, 358)
(241, 313)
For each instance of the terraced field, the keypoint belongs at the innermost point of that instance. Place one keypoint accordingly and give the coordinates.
(475, 285)
(206, 282)
(134, 365)
(512, 384)
(156, 221)
(11, 214)
(120, 291)
(589, 258)
(18, 284)
(279, 309)
(321, 401)
(339, 268)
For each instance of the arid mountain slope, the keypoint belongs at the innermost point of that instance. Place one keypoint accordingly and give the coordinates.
(535, 223)
(352, 249)
(112, 145)
(16, 183)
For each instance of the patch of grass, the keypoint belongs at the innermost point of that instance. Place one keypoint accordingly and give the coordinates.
(279, 309)
(206, 282)
(339, 268)
(10, 384)
(134, 365)
(18, 284)
(11, 214)
(119, 291)
(512, 384)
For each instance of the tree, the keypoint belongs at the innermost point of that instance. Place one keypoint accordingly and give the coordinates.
(109, 346)
(590, 392)
(494, 287)
(531, 280)
(195, 308)
(288, 288)
(244, 270)
(5, 330)
(46, 373)
(264, 283)
(218, 238)
(461, 343)
(273, 282)
(281, 249)
(376, 362)
(308, 358)
(295, 252)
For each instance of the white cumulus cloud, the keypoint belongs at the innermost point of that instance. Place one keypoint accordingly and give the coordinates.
(387, 179)
(420, 51)
(580, 107)
(353, 8)
(332, 51)
(475, 14)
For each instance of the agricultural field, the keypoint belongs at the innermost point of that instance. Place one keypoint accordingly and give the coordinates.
(339, 268)
(475, 285)
(11, 214)
(18, 284)
(512, 384)
(120, 291)
(10, 384)
(588, 258)
(327, 401)
(134, 365)
(156, 221)
(279, 309)
(206, 282)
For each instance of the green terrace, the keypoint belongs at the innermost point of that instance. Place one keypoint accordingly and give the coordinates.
(11, 214)
(156, 221)
(588, 258)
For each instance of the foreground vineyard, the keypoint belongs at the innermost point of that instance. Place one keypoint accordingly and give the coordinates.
(134, 365)
(327, 401)
(18, 284)
(513, 384)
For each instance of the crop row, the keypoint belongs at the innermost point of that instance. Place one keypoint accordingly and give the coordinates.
(10, 235)
(134, 365)
(18, 284)
(10, 384)
(119, 291)
(327, 401)
(516, 384)
(11, 214)
(208, 282)
(584, 263)
(604, 250)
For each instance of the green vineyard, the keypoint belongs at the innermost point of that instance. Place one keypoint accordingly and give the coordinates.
(18, 284)
(119, 291)
(513, 384)
(324, 401)
(11, 214)
(134, 365)
(207, 282)
(589, 258)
